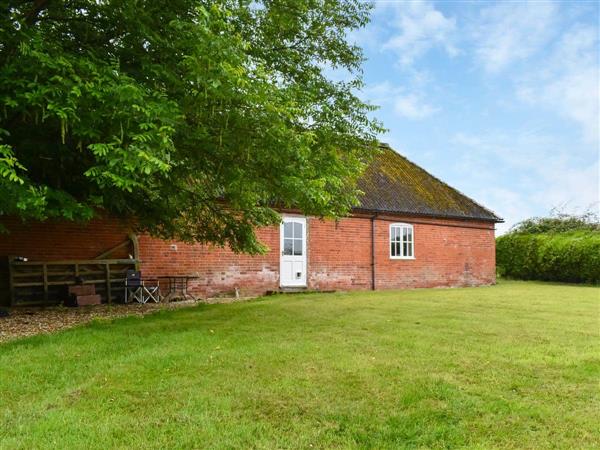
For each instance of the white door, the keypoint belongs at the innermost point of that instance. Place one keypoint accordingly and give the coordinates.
(292, 270)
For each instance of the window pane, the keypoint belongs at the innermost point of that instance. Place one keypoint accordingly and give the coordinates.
(288, 229)
(288, 245)
(410, 234)
(410, 249)
(393, 249)
(398, 249)
(395, 234)
(297, 230)
(405, 249)
(404, 233)
(298, 247)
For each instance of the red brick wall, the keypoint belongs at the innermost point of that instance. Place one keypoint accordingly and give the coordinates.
(447, 253)
(220, 270)
(339, 254)
(54, 240)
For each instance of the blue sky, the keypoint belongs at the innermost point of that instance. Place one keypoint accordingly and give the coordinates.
(499, 99)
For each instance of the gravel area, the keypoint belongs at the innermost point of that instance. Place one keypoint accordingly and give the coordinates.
(23, 321)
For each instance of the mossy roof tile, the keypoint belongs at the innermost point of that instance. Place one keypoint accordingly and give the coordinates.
(394, 184)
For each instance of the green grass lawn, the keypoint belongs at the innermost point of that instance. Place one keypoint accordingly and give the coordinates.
(516, 365)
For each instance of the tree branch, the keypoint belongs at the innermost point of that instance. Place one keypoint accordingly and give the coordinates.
(32, 16)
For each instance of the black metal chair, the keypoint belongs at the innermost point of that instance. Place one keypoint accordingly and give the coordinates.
(139, 289)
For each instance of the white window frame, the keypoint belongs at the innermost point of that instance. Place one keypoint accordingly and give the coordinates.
(402, 226)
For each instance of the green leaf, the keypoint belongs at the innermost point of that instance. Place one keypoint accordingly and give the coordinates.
(196, 122)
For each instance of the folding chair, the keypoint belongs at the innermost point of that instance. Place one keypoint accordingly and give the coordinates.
(140, 290)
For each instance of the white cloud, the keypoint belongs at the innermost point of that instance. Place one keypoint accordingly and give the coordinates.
(509, 204)
(568, 81)
(512, 31)
(575, 187)
(559, 57)
(379, 93)
(408, 104)
(527, 173)
(419, 27)
(412, 106)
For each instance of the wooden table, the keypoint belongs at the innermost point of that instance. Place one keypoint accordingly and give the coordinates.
(178, 287)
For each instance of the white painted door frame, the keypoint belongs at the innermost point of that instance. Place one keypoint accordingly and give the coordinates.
(293, 258)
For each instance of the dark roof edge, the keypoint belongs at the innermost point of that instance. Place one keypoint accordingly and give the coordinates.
(432, 216)
(496, 218)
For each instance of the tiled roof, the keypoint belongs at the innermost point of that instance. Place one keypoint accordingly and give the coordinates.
(393, 184)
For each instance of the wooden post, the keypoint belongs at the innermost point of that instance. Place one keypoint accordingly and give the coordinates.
(108, 285)
(11, 287)
(45, 275)
(136, 249)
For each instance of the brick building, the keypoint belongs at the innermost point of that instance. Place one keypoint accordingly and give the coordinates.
(410, 230)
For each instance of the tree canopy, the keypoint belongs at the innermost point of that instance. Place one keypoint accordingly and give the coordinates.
(559, 222)
(199, 119)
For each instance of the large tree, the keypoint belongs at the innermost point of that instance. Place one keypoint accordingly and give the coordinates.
(196, 118)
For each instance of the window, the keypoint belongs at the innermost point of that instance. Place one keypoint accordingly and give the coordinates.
(292, 238)
(402, 243)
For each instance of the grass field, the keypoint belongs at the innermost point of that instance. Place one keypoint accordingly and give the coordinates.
(516, 365)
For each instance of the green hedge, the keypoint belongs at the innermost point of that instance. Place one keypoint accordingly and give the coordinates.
(572, 256)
